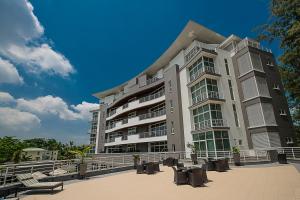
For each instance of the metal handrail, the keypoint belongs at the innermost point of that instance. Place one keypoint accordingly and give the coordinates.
(202, 70)
(210, 123)
(207, 95)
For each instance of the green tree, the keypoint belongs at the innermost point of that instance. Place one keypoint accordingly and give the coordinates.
(284, 26)
(9, 145)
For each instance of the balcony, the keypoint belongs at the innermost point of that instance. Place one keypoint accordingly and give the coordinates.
(248, 42)
(152, 80)
(138, 138)
(204, 70)
(207, 124)
(134, 121)
(209, 95)
(141, 102)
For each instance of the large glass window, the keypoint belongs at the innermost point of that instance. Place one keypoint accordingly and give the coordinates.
(204, 89)
(158, 129)
(202, 64)
(203, 116)
(159, 146)
(230, 89)
(211, 141)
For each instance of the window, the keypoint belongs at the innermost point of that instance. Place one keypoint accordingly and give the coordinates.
(173, 147)
(158, 129)
(235, 115)
(207, 140)
(222, 141)
(159, 146)
(191, 53)
(207, 88)
(172, 127)
(131, 130)
(240, 142)
(289, 140)
(204, 115)
(131, 148)
(132, 114)
(230, 89)
(201, 65)
(226, 66)
(171, 106)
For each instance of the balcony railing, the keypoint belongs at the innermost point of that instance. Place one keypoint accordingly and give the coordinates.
(141, 100)
(205, 69)
(152, 114)
(152, 96)
(207, 95)
(140, 117)
(252, 43)
(141, 135)
(210, 124)
(152, 80)
(153, 134)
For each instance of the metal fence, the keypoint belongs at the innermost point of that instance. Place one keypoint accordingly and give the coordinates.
(118, 160)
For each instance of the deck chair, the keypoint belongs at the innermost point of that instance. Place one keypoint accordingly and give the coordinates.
(30, 183)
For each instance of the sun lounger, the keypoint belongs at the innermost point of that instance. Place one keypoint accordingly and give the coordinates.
(30, 183)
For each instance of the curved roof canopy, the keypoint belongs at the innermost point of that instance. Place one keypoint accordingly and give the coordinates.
(192, 31)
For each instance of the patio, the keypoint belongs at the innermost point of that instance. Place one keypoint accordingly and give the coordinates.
(250, 182)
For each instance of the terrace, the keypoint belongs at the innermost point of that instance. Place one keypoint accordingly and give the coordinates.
(111, 176)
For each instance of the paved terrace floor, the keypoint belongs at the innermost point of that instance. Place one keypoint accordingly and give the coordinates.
(276, 182)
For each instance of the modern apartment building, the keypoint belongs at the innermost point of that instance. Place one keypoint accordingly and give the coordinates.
(214, 91)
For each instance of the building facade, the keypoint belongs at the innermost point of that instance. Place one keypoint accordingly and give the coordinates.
(206, 89)
(38, 154)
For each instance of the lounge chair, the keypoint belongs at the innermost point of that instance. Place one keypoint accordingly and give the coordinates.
(30, 183)
(57, 172)
(38, 175)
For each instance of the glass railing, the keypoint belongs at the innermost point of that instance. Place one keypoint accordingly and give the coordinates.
(152, 80)
(210, 123)
(153, 134)
(141, 100)
(205, 96)
(202, 70)
(152, 114)
(152, 96)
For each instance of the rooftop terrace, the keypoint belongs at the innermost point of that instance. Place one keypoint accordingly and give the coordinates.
(272, 181)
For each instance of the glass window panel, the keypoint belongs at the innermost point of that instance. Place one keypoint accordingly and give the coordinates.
(209, 135)
(219, 145)
(210, 145)
(226, 144)
(218, 134)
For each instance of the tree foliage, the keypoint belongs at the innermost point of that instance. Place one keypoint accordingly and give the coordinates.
(284, 26)
(11, 148)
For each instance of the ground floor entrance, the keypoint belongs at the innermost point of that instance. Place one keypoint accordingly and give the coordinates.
(211, 143)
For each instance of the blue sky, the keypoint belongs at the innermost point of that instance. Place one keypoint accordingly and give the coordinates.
(55, 53)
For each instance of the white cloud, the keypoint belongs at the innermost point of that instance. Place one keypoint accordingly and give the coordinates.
(9, 73)
(48, 105)
(42, 59)
(84, 109)
(12, 119)
(56, 106)
(6, 97)
(19, 40)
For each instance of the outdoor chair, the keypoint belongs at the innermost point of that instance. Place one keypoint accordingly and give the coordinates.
(195, 177)
(180, 165)
(139, 169)
(204, 175)
(226, 164)
(211, 165)
(180, 176)
(221, 165)
(156, 166)
(282, 158)
(150, 168)
(169, 162)
(30, 183)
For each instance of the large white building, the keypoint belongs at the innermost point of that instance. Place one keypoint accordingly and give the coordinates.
(214, 91)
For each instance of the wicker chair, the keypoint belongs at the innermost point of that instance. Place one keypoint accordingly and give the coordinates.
(204, 175)
(195, 177)
(180, 177)
(139, 169)
(180, 165)
(150, 169)
(156, 167)
(221, 165)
